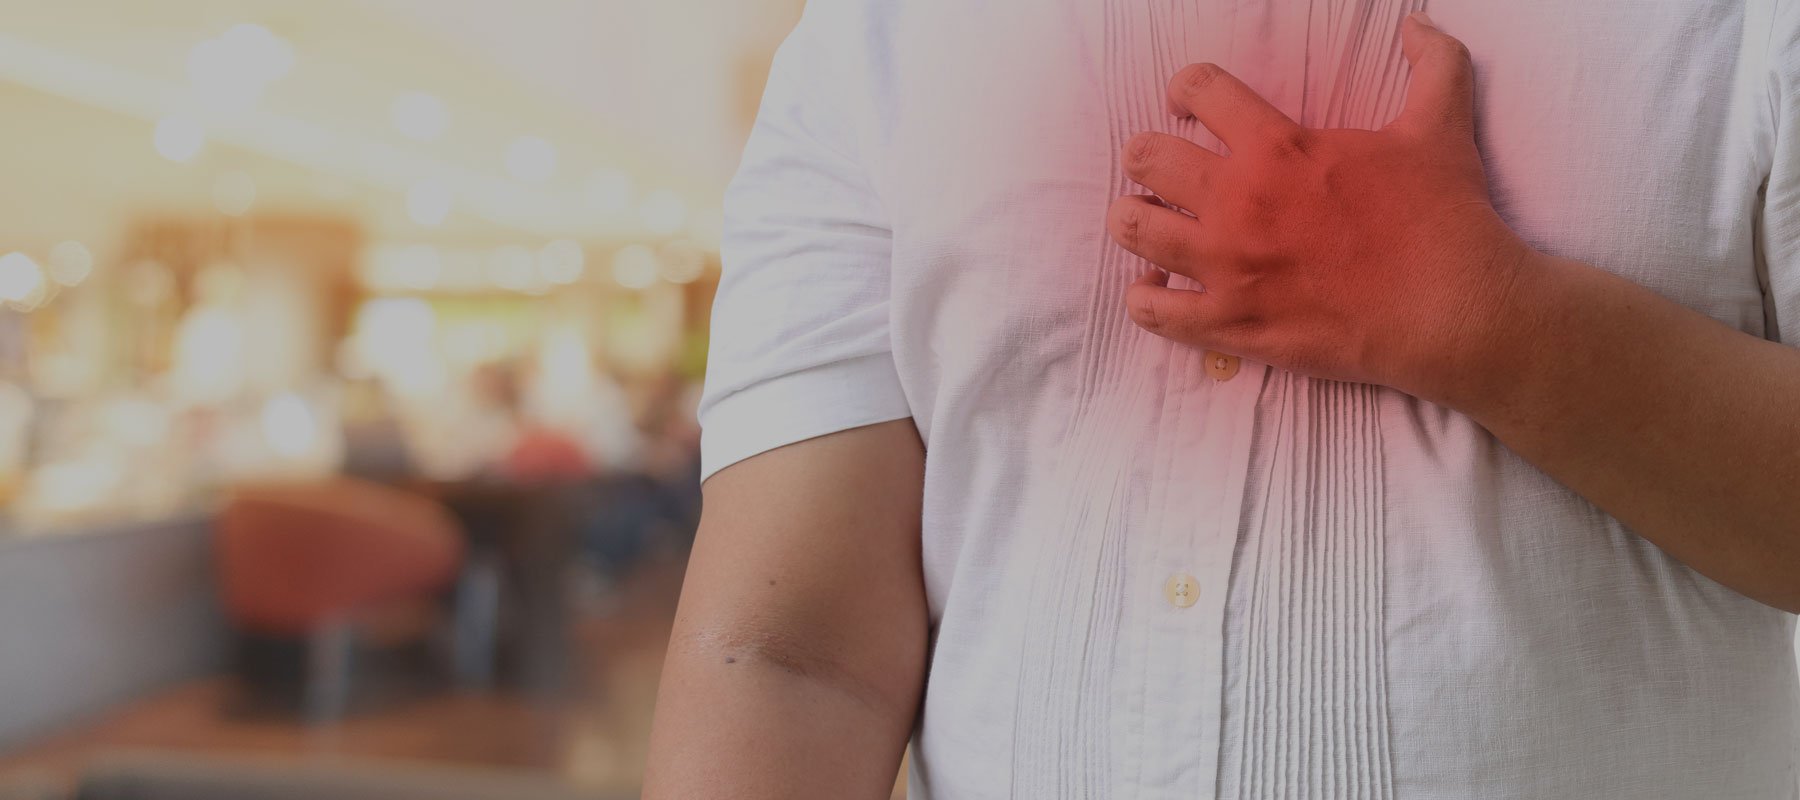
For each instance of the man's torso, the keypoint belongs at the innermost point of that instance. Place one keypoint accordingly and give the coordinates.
(1152, 578)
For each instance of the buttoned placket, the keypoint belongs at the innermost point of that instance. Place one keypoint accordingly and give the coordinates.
(1189, 577)
(1183, 578)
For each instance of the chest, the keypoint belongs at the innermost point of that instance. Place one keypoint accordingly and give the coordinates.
(1624, 133)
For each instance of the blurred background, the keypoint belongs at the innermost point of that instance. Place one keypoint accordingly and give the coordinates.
(349, 352)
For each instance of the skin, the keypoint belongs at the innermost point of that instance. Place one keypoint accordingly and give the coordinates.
(798, 655)
(1377, 257)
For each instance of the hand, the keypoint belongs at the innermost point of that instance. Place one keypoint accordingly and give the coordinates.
(1367, 256)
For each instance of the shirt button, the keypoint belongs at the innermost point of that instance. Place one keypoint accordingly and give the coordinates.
(1221, 366)
(1182, 591)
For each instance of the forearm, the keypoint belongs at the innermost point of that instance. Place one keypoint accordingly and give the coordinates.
(1679, 426)
(798, 654)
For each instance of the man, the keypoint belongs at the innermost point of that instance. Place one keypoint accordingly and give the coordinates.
(1471, 472)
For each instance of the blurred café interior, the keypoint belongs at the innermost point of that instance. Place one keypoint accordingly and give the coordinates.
(349, 352)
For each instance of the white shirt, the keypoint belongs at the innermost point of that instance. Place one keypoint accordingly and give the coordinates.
(1155, 574)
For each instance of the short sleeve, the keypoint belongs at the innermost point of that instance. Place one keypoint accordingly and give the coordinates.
(1779, 218)
(800, 343)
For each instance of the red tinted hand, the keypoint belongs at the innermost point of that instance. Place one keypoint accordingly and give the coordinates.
(1369, 256)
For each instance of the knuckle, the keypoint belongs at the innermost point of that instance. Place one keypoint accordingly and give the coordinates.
(1143, 309)
(1198, 78)
(1335, 177)
(1143, 150)
(1290, 142)
(1242, 326)
(1129, 220)
(1252, 280)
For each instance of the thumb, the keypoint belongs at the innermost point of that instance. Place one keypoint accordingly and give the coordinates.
(1441, 96)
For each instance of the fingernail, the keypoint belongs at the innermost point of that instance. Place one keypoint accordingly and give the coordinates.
(1421, 18)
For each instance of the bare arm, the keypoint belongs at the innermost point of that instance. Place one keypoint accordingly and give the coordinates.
(798, 654)
(1377, 256)
(1683, 428)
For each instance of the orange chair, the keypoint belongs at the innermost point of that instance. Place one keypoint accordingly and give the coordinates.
(312, 560)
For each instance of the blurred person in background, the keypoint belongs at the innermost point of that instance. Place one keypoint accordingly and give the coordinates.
(657, 504)
(467, 431)
(1468, 475)
(374, 437)
(566, 395)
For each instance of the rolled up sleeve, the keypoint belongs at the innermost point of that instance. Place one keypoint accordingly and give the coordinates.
(800, 342)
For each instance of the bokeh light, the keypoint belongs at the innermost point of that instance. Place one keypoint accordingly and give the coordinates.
(70, 263)
(21, 280)
(234, 193)
(230, 72)
(635, 267)
(561, 262)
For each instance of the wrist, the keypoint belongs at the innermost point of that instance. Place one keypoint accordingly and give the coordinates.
(1497, 337)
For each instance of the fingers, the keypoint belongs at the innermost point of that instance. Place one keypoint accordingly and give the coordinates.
(1184, 315)
(1441, 95)
(1176, 169)
(1161, 235)
(1234, 112)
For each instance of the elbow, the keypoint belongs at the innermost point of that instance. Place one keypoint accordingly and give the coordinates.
(888, 683)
